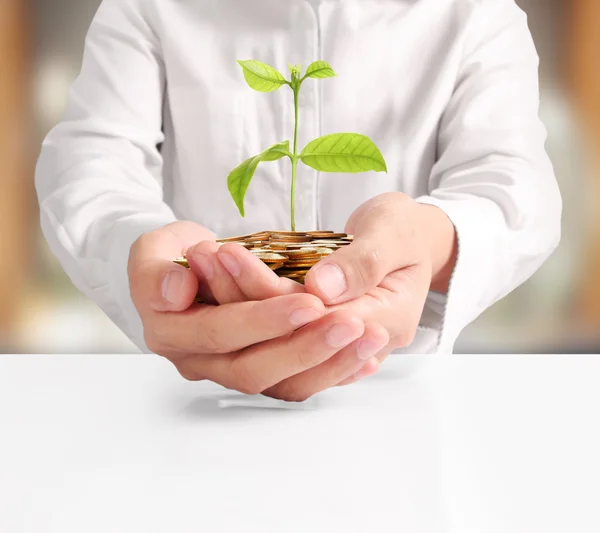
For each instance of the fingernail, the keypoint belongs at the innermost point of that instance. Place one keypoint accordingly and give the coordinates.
(172, 286)
(301, 317)
(340, 335)
(231, 264)
(367, 349)
(205, 265)
(331, 281)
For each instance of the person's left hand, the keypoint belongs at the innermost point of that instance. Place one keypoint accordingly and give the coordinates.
(401, 250)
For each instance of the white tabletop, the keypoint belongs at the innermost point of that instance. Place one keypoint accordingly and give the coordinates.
(105, 444)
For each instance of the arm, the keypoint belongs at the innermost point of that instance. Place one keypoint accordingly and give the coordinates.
(493, 178)
(492, 215)
(98, 177)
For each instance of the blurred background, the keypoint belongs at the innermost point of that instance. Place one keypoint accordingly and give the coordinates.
(557, 311)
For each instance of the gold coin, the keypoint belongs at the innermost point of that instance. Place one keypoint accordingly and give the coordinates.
(299, 265)
(260, 250)
(324, 251)
(182, 261)
(299, 245)
(327, 235)
(324, 233)
(309, 259)
(288, 233)
(303, 252)
(275, 266)
(291, 240)
(332, 241)
(270, 257)
(330, 245)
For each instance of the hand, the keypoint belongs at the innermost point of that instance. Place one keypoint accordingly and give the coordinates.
(401, 250)
(250, 345)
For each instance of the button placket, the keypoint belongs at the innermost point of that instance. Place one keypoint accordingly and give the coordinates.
(306, 176)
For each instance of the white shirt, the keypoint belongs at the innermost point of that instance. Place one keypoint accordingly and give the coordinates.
(447, 89)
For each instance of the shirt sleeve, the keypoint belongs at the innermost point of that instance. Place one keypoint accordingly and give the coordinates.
(99, 174)
(493, 177)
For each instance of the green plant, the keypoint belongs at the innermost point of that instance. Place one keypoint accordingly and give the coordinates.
(338, 152)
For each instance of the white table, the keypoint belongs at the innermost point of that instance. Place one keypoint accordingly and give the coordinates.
(110, 444)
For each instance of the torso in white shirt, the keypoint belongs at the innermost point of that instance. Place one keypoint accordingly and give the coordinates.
(396, 62)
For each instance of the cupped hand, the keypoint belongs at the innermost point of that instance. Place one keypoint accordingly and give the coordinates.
(266, 336)
(401, 250)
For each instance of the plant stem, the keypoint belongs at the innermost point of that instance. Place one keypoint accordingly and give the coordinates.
(294, 165)
(296, 89)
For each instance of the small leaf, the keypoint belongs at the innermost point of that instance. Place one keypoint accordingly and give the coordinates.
(343, 152)
(240, 177)
(261, 77)
(320, 69)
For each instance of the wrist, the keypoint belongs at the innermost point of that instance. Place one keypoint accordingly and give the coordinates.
(439, 237)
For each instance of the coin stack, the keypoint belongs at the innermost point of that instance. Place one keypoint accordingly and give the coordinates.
(290, 254)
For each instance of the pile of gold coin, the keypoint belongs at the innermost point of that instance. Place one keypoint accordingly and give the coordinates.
(290, 254)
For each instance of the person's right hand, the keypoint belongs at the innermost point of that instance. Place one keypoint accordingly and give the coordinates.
(249, 346)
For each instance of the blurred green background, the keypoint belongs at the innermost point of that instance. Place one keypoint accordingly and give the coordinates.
(558, 310)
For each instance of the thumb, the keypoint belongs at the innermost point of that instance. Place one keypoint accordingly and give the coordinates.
(164, 286)
(353, 270)
(156, 283)
(383, 243)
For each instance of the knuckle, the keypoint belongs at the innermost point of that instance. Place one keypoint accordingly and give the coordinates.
(305, 356)
(365, 267)
(207, 340)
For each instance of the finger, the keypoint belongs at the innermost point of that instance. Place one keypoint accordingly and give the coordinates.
(353, 270)
(343, 365)
(396, 304)
(231, 327)
(204, 294)
(203, 261)
(161, 285)
(156, 283)
(383, 242)
(260, 367)
(254, 278)
(371, 368)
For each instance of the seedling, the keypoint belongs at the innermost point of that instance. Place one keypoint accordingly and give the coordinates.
(337, 152)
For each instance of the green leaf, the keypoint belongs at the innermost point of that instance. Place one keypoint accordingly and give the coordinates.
(261, 77)
(320, 69)
(343, 152)
(240, 177)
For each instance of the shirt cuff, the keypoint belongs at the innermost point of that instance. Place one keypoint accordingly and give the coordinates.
(121, 238)
(475, 221)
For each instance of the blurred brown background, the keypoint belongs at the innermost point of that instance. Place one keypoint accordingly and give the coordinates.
(558, 310)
